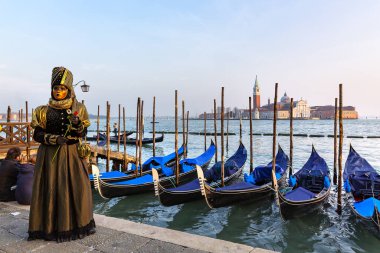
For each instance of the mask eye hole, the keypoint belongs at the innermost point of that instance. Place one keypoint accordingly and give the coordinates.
(59, 88)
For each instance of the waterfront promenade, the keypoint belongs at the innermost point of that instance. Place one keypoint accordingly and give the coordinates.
(113, 235)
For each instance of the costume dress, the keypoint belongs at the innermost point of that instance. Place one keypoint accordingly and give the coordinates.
(61, 207)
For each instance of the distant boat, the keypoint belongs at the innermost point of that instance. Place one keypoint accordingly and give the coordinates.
(154, 122)
(130, 141)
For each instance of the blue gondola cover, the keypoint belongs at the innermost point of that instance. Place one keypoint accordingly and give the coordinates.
(360, 177)
(300, 194)
(366, 208)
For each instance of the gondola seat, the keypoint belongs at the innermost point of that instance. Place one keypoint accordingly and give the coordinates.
(111, 174)
(193, 185)
(300, 194)
(136, 181)
(238, 186)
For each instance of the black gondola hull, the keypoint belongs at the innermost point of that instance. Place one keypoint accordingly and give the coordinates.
(112, 190)
(169, 198)
(294, 209)
(217, 199)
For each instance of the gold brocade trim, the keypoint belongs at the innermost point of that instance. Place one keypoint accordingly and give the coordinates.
(39, 117)
(64, 77)
(62, 104)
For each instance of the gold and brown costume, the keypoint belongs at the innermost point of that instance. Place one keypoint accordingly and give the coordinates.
(61, 206)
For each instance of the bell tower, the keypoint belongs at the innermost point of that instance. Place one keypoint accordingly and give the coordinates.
(256, 95)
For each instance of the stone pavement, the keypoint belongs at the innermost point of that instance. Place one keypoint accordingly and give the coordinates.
(113, 235)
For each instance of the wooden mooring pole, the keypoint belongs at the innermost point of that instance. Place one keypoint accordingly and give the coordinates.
(108, 137)
(118, 130)
(291, 138)
(335, 176)
(137, 136)
(222, 137)
(339, 210)
(141, 134)
(176, 138)
(205, 129)
(97, 126)
(154, 126)
(240, 129)
(187, 131)
(183, 129)
(274, 180)
(250, 137)
(228, 125)
(125, 142)
(215, 134)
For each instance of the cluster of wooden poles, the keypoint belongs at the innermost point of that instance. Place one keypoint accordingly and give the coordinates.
(139, 132)
(337, 172)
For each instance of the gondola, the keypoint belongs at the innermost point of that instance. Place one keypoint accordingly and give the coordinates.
(130, 141)
(169, 196)
(256, 186)
(145, 182)
(153, 162)
(362, 184)
(309, 188)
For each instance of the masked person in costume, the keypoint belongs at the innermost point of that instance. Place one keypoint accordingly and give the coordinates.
(61, 207)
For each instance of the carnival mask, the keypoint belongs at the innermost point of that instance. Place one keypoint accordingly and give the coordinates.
(59, 92)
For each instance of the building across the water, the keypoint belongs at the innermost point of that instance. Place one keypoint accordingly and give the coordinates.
(328, 112)
(301, 109)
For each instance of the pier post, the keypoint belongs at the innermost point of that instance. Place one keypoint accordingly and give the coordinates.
(339, 210)
(291, 138)
(27, 130)
(215, 134)
(222, 137)
(335, 176)
(9, 115)
(154, 126)
(250, 137)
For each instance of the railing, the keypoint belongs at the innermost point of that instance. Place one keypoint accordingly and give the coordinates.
(16, 134)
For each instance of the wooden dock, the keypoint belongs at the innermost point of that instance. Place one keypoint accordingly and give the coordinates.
(101, 152)
(20, 134)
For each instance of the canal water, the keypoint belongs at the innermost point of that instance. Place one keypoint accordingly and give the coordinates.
(257, 224)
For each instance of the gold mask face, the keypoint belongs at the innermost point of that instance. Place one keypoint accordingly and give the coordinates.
(59, 92)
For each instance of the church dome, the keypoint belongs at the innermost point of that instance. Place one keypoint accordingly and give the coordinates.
(285, 99)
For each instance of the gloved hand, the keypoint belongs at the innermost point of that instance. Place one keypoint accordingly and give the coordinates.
(61, 140)
(75, 120)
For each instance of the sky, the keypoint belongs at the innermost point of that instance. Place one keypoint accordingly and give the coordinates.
(130, 49)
